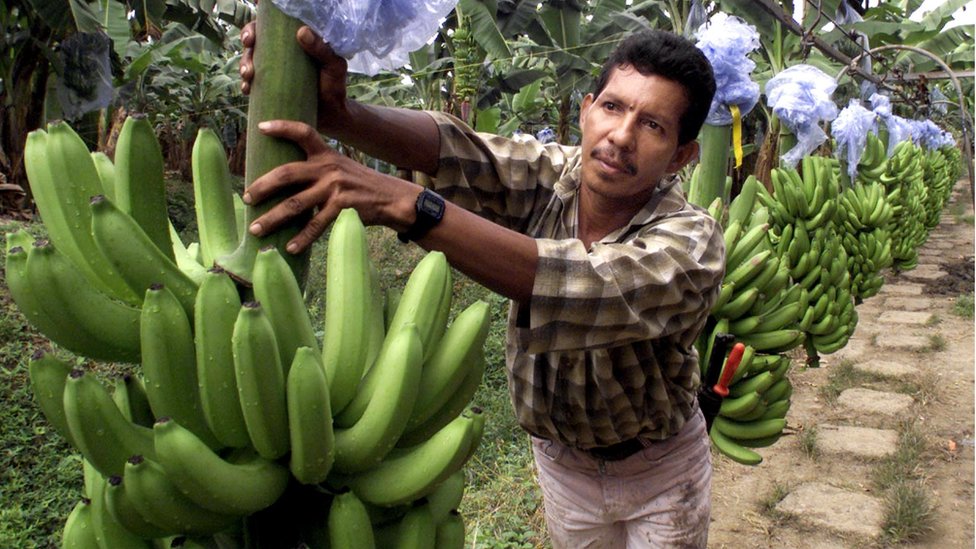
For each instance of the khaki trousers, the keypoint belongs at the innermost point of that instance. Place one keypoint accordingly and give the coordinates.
(659, 497)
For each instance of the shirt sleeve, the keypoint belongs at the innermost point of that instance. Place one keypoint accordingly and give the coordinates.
(661, 282)
(501, 179)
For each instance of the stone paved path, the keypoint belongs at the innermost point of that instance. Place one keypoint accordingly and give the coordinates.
(905, 338)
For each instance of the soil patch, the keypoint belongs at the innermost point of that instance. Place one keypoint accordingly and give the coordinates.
(959, 279)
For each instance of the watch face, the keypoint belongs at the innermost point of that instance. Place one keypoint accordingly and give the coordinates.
(431, 204)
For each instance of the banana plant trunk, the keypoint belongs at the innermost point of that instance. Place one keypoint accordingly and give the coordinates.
(714, 165)
(284, 87)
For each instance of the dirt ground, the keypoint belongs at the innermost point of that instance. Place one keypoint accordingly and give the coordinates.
(743, 495)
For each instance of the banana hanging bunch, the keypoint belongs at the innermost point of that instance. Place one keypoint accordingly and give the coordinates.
(237, 415)
(907, 193)
(761, 306)
(939, 179)
(863, 220)
(468, 59)
(805, 209)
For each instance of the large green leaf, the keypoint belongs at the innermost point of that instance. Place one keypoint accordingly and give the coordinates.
(484, 29)
(938, 18)
(562, 22)
(116, 24)
(86, 18)
(515, 16)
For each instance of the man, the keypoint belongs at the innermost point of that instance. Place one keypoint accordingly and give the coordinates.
(610, 271)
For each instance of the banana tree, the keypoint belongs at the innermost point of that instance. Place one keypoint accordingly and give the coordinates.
(34, 30)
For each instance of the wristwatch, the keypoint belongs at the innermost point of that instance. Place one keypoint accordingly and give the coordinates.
(430, 210)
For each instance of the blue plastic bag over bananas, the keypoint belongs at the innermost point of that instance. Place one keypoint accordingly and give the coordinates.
(372, 35)
(801, 97)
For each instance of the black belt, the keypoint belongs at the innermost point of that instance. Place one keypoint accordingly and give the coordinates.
(617, 452)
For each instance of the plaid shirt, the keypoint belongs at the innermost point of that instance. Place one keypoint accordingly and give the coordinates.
(604, 352)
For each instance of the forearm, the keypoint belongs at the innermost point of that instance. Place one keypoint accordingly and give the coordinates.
(500, 259)
(406, 138)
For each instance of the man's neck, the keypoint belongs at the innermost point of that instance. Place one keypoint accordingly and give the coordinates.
(600, 216)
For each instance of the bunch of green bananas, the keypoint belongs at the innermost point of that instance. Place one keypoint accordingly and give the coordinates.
(237, 406)
(761, 306)
(863, 220)
(809, 239)
(753, 415)
(939, 178)
(873, 163)
(904, 181)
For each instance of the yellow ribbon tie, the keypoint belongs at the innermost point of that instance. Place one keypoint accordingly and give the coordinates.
(736, 135)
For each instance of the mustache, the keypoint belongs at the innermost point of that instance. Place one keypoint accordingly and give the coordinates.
(612, 155)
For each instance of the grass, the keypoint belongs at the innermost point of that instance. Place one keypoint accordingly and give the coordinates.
(909, 508)
(964, 306)
(808, 443)
(842, 377)
(41, 477)
(937, 343)
(767, 505)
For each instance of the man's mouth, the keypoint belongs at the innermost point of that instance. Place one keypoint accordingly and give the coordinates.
(613, 161)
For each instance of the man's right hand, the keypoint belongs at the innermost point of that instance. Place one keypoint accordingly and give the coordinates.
(333, 108)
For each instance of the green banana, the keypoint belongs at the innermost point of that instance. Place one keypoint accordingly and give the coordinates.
(185, 260)
(131, 399)
(260, 381)
(134, 255)
(733, 450)
(22, 290)
(106, 173)
(169, 362)
(277, 289)
(349, 525)
(428, 284)
(754, 384)
(780, 318)
(348, 307)
(450, 410)
(48, 376)
(213, 197)
(99, 326)
(776, 409)
(447, 367)
(446, 497)
(239, 488)
(746, 246)
(776, 341)
(748, 430)
(739, 305)
(110, 533)
(450, 532)
(159, 501)
(780, 390)
(743, 204)
(140, 188)
(416, 530)
(216, 309)
(749, 269)
(414, 472)
(52, 159)
(79, 531)
(309, 418)
(100, 431)
(736, 407)
(124, 512)
(397, 373)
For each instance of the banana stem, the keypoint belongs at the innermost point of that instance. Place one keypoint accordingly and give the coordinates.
(813, 357)
(787, 141)
(284, 87)
(714, 165)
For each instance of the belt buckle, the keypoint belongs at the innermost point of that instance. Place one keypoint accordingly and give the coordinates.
(619, 451)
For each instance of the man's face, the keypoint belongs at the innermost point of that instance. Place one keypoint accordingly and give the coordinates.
(630, 135)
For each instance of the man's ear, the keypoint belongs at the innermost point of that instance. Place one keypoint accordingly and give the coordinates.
(682, 156)
(584, 108)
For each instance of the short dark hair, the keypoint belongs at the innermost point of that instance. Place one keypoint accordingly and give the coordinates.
(673, 57)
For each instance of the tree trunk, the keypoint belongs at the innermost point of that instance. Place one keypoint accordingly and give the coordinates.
(23, 112)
